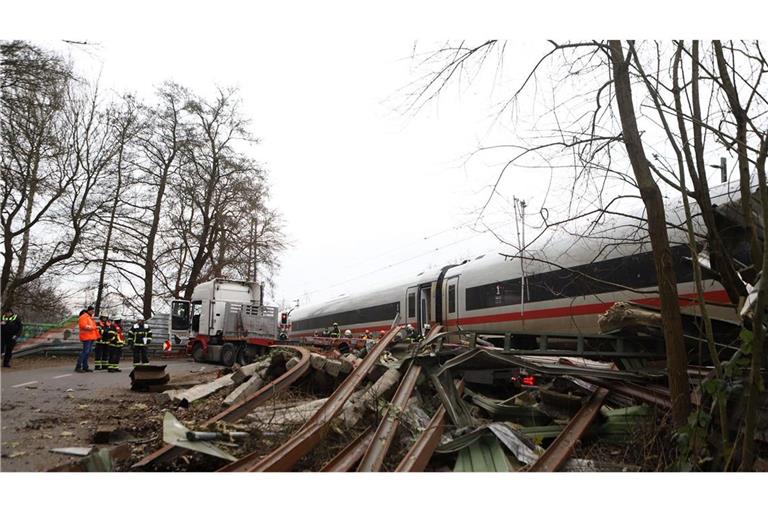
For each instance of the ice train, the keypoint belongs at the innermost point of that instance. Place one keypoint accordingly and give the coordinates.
(561, 284)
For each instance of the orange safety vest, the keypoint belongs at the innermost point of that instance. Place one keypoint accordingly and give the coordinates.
(88, 329)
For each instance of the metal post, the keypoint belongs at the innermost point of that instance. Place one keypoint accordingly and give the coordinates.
(255, 238)
(723, 170)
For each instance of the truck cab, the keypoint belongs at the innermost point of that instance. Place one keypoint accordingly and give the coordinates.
(225, 322)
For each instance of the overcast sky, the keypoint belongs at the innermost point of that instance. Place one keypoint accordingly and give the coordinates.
(367, 192)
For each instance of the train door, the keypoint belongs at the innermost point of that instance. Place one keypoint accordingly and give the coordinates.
(411, 295)
(424, 307)
(451, 303)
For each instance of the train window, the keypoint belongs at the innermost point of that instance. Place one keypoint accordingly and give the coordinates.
(452, 298)
(635, 271)
(411, 305)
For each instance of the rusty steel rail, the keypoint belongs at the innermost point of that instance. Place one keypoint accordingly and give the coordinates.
(385, 433)
(419, 454)
(562, 447)
(350, 455)
(644, 394)
(316, 428)
(239, 409)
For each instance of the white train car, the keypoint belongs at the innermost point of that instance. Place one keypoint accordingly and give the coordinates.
(564, 282)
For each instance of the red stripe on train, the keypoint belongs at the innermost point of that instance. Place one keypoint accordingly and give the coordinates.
(719, 296)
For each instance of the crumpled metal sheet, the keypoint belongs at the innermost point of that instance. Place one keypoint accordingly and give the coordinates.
(522, 414)
(520, 447)
(484, 456)
(175, 433)
(484, 359)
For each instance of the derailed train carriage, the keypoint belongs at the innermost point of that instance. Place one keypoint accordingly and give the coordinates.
(562, 283)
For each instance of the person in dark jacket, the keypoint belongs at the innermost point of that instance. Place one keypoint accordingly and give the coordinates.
(9, 333)
(139, 337)
(116, 347)
(101, 350)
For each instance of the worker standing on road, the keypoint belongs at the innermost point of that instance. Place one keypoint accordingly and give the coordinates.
(101, 350)
(335, 332)
(139, 337)
(9, 332)
(89, 333)
(116, 347)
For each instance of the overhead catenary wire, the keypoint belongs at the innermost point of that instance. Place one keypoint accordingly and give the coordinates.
(411, 258)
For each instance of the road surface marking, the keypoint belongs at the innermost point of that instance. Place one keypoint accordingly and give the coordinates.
(62, 376)
(24, 384)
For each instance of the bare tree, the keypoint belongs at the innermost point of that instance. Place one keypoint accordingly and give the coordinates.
(657, 228)
(642, 99)
(125, 126)
(55, 147)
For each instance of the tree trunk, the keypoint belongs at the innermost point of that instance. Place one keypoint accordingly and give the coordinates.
(149, 261)
(721, 261)
(110, 227)
(740, 116)
(667, 281)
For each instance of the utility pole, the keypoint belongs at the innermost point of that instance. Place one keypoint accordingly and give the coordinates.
(723, 169)
(253, 250)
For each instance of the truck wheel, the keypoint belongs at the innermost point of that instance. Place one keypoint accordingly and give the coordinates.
(198, 353)
(228, 354)
(246, 355)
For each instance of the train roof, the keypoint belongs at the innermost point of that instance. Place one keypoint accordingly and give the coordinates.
(560, 247)
(373, 296)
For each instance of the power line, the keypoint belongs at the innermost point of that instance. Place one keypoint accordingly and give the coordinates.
(391, 265)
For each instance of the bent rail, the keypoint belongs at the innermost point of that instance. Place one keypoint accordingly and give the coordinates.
(562, 447)
(315, 429)
(350, 455)
(382, 439)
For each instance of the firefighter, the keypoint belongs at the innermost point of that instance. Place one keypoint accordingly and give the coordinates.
(410, 334)
(116, 347)
(283, 335)
(101, 350)
(335, 332)
(139, 337)
(89, 332)
(366, 335)
(10, 331)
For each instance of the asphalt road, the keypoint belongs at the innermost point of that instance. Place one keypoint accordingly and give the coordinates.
(15, 382)
(45, 404)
